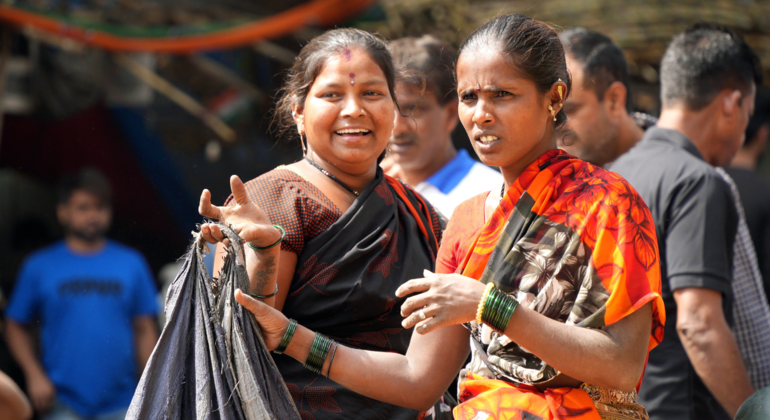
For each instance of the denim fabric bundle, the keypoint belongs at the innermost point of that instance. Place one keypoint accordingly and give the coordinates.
(210, 361)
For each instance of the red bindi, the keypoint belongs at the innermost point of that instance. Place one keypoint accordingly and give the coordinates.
(352, 78)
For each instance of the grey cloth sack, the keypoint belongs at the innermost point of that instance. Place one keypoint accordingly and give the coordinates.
(210, 361)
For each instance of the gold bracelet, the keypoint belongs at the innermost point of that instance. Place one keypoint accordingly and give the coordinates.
(480, 310)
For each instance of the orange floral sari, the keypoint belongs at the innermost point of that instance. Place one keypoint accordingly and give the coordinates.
(575, 243)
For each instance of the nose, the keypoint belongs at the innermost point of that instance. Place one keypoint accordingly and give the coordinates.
(482, 114)
(353, 108)
(403, 124)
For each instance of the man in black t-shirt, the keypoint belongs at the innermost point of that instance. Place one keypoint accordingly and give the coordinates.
(708, 81)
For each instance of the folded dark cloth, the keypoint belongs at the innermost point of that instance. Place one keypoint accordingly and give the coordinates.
(210, 361)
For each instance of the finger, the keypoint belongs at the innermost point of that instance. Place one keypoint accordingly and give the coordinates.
(426, 326)
(415, 318)
(415, 303)
(413, 286)
(206, 234)
(206, 209)
(428, 274)
(216, 232)
(239, 190)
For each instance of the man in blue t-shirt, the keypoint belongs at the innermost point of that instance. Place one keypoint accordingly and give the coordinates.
(96, 303)
(421, 153)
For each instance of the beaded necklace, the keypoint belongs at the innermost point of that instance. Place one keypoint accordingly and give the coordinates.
(334, 178)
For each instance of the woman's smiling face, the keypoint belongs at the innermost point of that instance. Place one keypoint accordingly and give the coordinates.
(348, 113)
(506, 117)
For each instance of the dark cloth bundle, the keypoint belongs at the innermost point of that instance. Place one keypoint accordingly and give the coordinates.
(210, 361)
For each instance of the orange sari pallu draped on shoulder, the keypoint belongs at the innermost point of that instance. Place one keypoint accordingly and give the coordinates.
(573, 242)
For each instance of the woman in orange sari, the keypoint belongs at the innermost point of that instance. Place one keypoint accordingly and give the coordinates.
(554, 276)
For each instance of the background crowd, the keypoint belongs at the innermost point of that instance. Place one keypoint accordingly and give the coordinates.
(152, 159)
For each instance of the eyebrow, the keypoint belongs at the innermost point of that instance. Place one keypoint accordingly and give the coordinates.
(366, 82)
(492, 89)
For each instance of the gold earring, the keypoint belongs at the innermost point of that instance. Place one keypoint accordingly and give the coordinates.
(561, 95)
(553, 113)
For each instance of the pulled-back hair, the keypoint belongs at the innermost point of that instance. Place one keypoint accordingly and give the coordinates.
(602, 61)
(310, 61)
(89, 180)
(533, 46)
(703, 61)
(429, 57)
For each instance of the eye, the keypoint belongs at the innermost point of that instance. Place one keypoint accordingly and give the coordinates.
(467, 96)
(330, 95)
(504, 93)
(372, 93)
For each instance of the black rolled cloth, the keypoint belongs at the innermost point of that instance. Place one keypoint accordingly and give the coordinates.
(210, 361)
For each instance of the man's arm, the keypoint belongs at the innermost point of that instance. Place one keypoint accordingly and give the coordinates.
(145, 337)
(13, 404)
(711, 347)
(39, 387)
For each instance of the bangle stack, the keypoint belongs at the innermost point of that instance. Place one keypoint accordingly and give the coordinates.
(261, 248)
(495, 309)
(287, 336)
(318, 352)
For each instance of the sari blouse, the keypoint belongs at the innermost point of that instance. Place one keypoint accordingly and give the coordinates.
(571, 241)
(349, 266)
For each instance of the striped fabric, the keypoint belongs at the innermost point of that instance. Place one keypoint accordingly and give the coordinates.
(750, 309)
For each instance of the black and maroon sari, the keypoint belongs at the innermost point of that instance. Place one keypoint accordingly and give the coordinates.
(349, 267)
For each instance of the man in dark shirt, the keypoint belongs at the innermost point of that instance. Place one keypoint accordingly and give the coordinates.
(753, 187)
(708, 82)
(600, 126)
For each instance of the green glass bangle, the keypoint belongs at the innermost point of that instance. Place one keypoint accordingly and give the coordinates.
(498, 310)
(490, 316)
(329, 371)
(318, 352)
(261, 248)
(287, 336)
(512, 305)
(489, 306)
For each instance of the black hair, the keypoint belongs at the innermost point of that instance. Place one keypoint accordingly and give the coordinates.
(761, 115)
(533, 46)
(310, 61)
(602, 61)
(430, 58)
(89, 180)
(703, 61)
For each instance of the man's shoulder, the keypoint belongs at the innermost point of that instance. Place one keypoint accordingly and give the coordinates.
(55, 249)
(658, 164)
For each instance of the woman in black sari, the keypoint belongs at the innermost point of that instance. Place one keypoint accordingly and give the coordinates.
(349, 236)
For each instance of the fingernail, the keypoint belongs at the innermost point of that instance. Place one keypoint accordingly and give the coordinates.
(403, 323)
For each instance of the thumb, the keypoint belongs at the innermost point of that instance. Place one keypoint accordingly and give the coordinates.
(259, 309)
(428, 274)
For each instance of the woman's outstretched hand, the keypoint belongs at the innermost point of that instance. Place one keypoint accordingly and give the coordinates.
(248, 220)
(444, 299)
(271, 321)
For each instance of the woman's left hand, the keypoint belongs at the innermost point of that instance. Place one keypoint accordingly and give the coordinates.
(444, 299)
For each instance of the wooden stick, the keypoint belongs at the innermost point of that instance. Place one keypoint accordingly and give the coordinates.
(177, 96)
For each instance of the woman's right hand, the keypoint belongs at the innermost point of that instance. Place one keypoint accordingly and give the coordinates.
(271, 321)
(248, 220)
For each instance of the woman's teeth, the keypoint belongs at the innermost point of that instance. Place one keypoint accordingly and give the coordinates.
(352, 131)
(487, 139)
